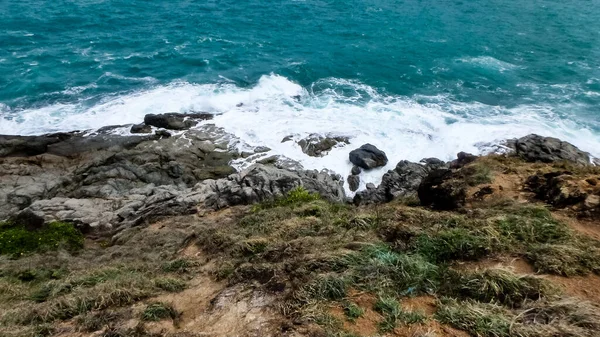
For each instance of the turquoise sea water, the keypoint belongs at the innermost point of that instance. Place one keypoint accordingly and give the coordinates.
(430, 76)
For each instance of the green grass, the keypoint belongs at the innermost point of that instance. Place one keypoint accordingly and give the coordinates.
(353, 311)
(158, 311)
(499, 286)
(565, 259)
(477, 174)
(479, 319)
(17, 241)
(393, 314)
(378, 269)
(294, 197)
(179, 266)
(454, 244)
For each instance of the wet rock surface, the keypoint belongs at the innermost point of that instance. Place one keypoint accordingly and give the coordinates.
(318, 146)
(175, 121)
(368, 157)
(403, 181)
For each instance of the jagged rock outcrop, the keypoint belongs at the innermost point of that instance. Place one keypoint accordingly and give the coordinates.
(254, 184)
(535, 148)
(368, 157)
(353, 182)
(261, 182)
(175, 121)
(318, 146)
(100, 179)
(403, 181)
(140, 128)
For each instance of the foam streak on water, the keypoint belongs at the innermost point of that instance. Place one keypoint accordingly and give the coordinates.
(276, 107)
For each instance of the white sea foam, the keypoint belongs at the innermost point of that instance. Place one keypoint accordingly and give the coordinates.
(489, 62)
(276, 107)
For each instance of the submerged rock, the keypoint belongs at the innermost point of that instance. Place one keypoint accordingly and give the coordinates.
(368, 157)
(535, 148)
(175, 121)
(318, 146)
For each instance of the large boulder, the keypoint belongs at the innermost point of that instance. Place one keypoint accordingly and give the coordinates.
(175, 121)
(441, 190)
(402, 181)
(318, 146)
(535, 148)
(368, 157)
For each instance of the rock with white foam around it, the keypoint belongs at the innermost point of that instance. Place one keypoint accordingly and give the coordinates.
(368, 157)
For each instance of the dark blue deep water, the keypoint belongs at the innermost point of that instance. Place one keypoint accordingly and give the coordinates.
(442, 67)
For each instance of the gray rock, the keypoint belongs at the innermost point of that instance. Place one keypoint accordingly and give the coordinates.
(318, 146)
(355, 170)
(353, 182)
(163, 134)
(29, 145)
(140, 128)
(535, 148)
(260, 182)
(403, 181)
(287, 139)
(463, 159)
(175, 121)
(371, 187)
(368, 157)
(261, 149)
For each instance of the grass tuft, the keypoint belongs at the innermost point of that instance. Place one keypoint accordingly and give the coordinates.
(158, 311)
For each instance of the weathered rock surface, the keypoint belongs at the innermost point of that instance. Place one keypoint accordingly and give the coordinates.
(175, 121)
(100, 180)
(318, 146)
(565, 189)
(535, 148)
(254, 184)
(403, 181)
(368, 157)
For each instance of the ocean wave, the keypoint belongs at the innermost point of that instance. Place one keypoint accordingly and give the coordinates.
(405, 127)
(489, 63)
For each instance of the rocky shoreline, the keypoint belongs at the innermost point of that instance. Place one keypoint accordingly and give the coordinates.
(106, 182)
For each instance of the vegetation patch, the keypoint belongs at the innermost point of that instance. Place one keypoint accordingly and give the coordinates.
(499, 286)
(16, 241)
(158, 311)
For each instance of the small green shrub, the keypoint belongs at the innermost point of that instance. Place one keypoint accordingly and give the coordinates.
(158, 311)
(16, 241)
(352, 311)
(294, 197)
